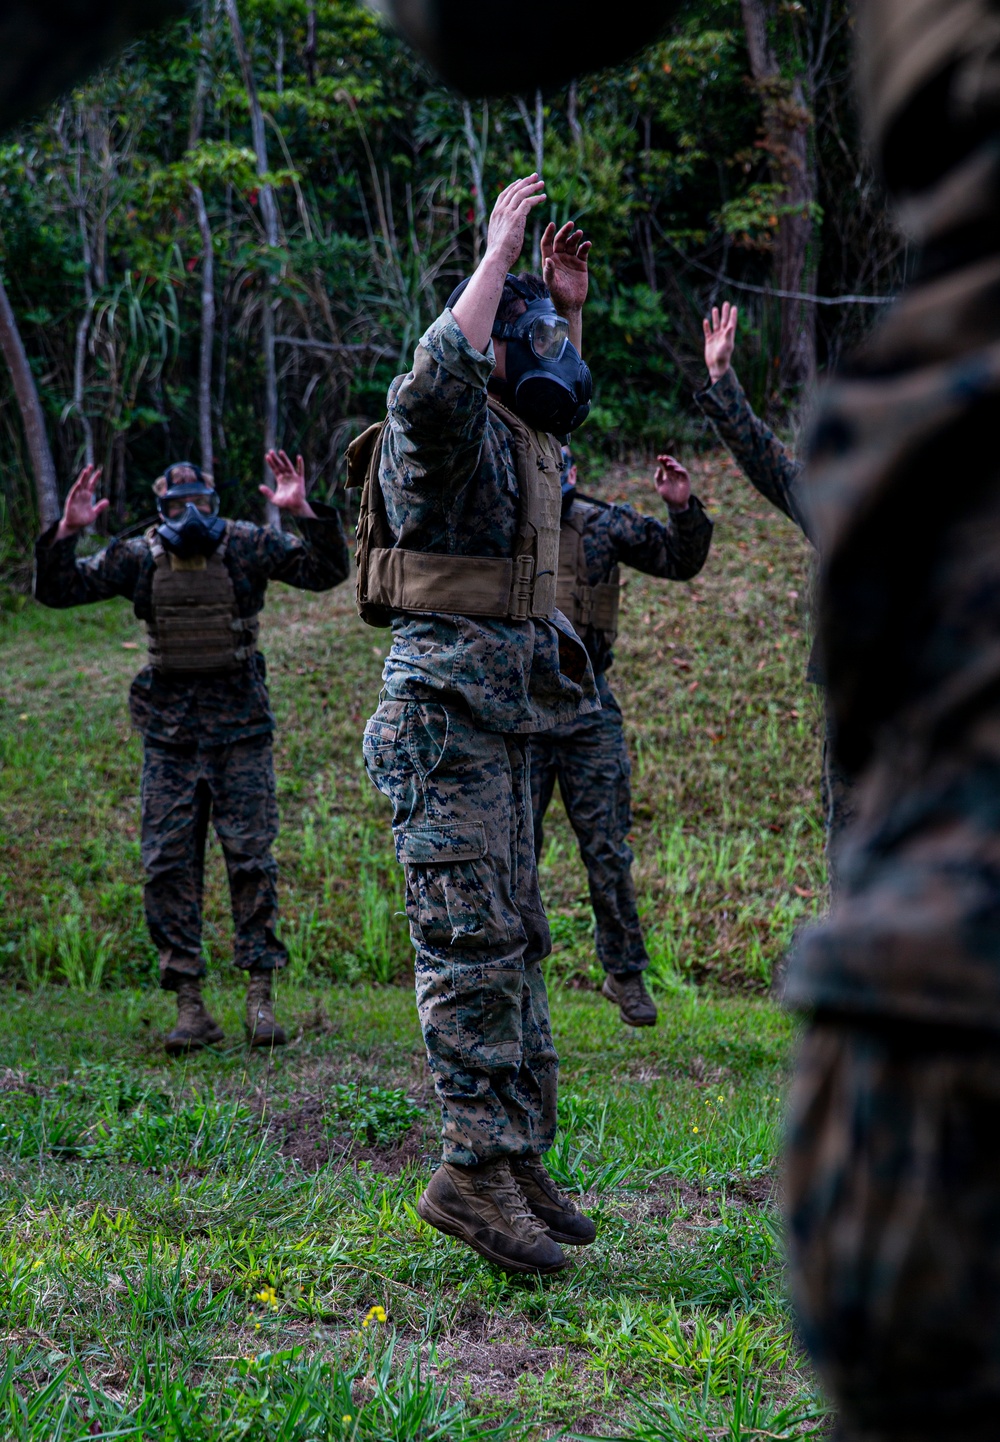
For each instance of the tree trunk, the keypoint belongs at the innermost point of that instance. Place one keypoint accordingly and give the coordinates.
(207, 331)
(788, 125)
(32, 418)
(269, 211)
(476, 156)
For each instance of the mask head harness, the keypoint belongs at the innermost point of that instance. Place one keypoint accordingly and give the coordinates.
(194, 530)
(548, 384)
(568, 486)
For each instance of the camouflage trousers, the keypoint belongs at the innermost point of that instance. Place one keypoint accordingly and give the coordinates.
(182, 787)
(589, 759)
(462, 828)
(893, 1194)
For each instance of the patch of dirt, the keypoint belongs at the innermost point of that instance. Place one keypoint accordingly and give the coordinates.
(13, 1081)
(306, 1138)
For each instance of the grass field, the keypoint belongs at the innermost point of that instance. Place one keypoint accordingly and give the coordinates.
(193, 1251)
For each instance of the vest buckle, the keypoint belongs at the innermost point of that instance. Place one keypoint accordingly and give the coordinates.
(522, 587)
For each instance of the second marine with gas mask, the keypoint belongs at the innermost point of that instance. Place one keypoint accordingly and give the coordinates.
(588, 757)
(202, 707)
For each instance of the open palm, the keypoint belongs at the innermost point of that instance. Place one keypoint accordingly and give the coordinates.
(81, 510)
(564, 266)
(289, 492)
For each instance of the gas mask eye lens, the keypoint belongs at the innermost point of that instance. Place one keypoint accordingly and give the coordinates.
(549, 336)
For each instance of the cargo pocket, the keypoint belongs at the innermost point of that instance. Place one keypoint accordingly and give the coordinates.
(379, 747)
(451, 886)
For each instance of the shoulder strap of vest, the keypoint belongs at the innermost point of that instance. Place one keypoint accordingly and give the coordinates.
(374, 533)
(593, 501)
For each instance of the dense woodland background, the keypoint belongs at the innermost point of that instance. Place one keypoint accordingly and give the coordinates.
(236, 235)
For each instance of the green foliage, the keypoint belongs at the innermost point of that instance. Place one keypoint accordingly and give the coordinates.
(382, 181)
(376, 1115)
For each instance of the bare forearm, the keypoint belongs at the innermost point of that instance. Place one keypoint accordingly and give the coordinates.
(575, 318)
(475, 311)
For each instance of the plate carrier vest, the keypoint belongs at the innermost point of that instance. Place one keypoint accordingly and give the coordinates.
(585, 605)
(196, 626)
(392, 578)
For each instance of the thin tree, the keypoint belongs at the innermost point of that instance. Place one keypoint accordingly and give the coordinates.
(207, 337)
(788, 125)
(32, 417)
(269, 212)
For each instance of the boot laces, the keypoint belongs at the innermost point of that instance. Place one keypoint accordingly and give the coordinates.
(542, 1179)
(503, 1188)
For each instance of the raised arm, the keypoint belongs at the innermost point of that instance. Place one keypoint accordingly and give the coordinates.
(438, 412)
(674, 550)
(61, 578)
(317, 560)
(753, 445)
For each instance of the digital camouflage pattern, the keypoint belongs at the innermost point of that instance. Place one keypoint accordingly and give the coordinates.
(182, 786)
(893, 1184)
(462, 828)
(207, 738)
(190, 711)
(588, 757)
(443, 453)
(755, 448)
(779, 478)
(892, 1190)
(674, 550)
(589, 760)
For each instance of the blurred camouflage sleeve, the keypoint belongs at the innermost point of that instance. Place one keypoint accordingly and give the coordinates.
(675, 550)
(438, 412)
(316, 560)
(62, 579)
(754, 447)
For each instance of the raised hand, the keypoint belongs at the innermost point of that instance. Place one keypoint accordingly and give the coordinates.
(505, 236)
(80, 510)
(564, 266)
(673, 483)
(289, 493)
(720, 339)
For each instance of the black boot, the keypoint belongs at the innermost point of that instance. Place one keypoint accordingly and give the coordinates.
(561, 1215)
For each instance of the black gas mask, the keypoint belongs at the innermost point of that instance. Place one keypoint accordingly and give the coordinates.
(186, 528)
(548, 383)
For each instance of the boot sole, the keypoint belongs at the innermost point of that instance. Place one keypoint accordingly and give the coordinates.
(268, 1039)
(195, 1043)
(565, 1241)
(442, 1223)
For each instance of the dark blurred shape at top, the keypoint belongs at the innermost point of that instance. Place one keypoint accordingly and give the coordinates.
(491, 47)
(48, 46)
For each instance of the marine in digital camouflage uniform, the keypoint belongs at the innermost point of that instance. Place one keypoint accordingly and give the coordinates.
(778, 477)
(589, 757)
(207, 733)
(448, 747)
(893, 1183)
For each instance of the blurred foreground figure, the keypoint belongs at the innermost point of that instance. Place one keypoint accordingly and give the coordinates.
(588, 757)
(893, 1180)
(198, 582)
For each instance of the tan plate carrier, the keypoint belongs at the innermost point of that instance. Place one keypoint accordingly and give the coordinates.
(585, 605)
(392, 578)
(196, 626)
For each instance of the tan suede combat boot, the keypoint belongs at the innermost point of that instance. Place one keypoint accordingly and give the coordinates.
(560, 1215)
(195, 1028)
(627, 990)
(484, 1207)
(262, 1029)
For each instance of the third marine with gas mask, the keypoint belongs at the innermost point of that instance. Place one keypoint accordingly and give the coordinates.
(588, 756)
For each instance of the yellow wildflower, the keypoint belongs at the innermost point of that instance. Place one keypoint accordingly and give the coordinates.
(347, 1417)
(694, 1129)
(375, 1314)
